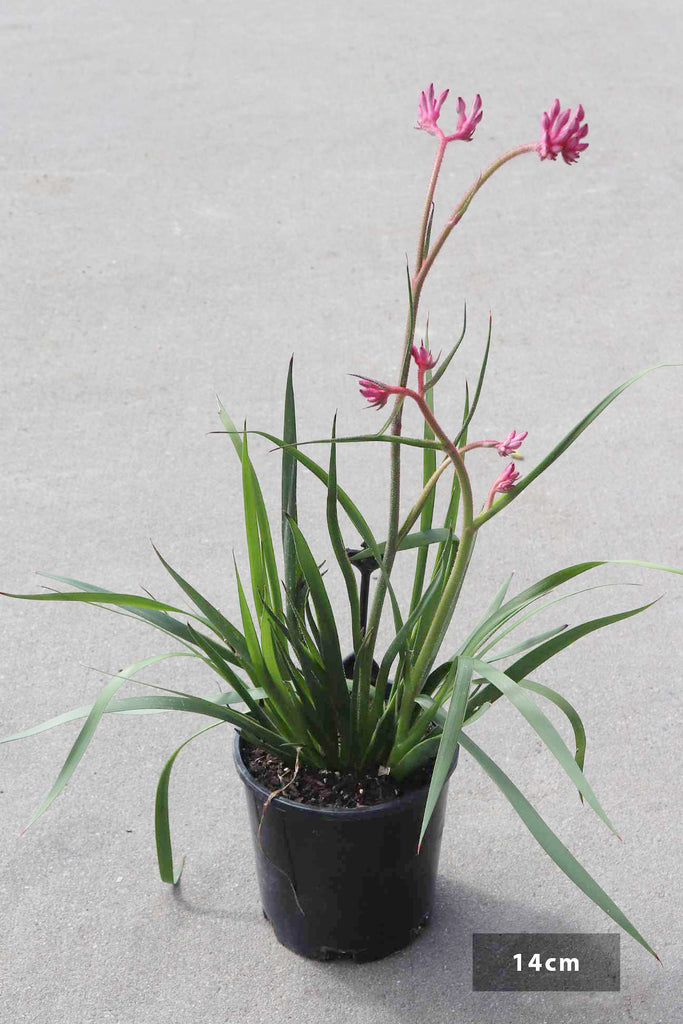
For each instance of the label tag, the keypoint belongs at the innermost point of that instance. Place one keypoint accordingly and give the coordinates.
(545, 962)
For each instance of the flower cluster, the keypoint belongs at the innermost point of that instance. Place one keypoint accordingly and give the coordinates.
(424, 360)
(376, 393)
(429, 109)
(509, 444)
(562, 134)
(506, 480)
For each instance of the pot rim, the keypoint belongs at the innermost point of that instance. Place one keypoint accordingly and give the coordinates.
(338, 813)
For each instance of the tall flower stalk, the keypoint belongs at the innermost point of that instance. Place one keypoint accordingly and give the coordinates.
(562, 134)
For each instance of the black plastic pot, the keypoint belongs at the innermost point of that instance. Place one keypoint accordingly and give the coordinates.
(344, 883)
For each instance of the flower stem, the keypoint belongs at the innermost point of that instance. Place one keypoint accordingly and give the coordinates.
(438, 159)
(415, 511)
(391, 545)
(423, 264)
(461, 208)
(446, 606)
(437, 631)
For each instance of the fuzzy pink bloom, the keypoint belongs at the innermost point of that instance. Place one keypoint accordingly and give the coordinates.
(376, 393)
(423, 357)
(464, 129)
(428, 110)
(505, 480)
(561, 134)
(511, 443)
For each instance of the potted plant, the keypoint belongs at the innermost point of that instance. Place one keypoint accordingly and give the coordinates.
(346, 760)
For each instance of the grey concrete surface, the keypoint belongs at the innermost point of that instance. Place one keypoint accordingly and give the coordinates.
(191, 192)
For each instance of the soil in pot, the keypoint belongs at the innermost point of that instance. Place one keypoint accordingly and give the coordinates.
(321, 788)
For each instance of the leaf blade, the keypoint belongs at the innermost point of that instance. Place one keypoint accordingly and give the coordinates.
(87, 731)
(552, 845)
(162, 828)
(545, 730)
(562, 445)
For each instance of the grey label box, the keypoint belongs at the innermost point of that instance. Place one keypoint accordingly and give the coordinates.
(546, 962)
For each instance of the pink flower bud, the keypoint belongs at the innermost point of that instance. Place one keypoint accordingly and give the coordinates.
(561, 134)
(511, 443)
(506, 480)
(376, 393)
(428, 110)
(467, 122)
(423, 357)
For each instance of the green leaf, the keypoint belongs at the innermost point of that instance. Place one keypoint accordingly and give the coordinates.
(569, 710)
(316, 700)
(461, 678)
(220, 625)
(477, 393)
(426, 516)
(344, 500)
(562, 446)
(159, 619)
(518, 620)
(87, 731)
(428, 232)
(412, 540)
(329, 639)
(289, 487)
(281, 700)
(211, 708)
(499, 597)
(162, 829)
(524, 645)
(349, 507)
(411, 304)
(436, 677)
(259, 538)
(550, 648)
(339, 547)
(123, 706)
(420, 754)
(256, 566)
(486, 627)
(437, 712)
(400, 641)
(444, 564)
(438, 374)
(543, 728)
(478, 714)
(222, 668)
(104, 597)
(411, 442)
(555, 849)
(451, 518)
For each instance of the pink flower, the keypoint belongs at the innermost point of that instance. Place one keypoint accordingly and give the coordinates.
(423, 357)
(562, 133)
(503, 484)
(510, 444)
(428, 110)
(467, 122)
(376, 393)
(506, 480)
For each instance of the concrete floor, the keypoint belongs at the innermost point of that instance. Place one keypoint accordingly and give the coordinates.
(193, 191)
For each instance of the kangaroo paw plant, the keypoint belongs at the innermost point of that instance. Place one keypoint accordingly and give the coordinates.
(401, 712)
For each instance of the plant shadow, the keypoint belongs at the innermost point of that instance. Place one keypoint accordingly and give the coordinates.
(432, 978)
